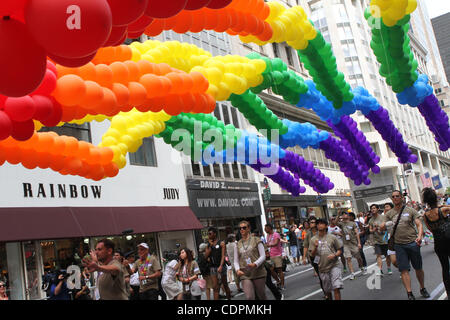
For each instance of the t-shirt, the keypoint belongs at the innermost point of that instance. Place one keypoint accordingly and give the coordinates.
(378, 237)
(328, 244)
(112, 287)
(147, 269)
(406, 230)
(292, 238)
(334, 230)
(278, 249)
(63, 294)
(349, 230)
(230, 251)
(170, 272)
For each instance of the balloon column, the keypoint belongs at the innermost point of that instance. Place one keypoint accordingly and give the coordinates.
(169, 88)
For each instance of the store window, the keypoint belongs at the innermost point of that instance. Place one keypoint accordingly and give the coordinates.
(80, 132)
(145, 155)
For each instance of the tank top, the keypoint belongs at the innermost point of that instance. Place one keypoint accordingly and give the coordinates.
(438, 227)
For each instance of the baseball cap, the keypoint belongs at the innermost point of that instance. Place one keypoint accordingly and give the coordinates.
(143, 244)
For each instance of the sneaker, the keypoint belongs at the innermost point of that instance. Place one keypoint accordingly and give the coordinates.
(424, 293)
(364, 271)
(389, 271)
(411, 296)
(282, 296)
(352, 276)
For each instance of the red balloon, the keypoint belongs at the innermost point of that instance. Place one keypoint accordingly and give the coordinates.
(117, 33)
(48, 84)
(72, 62)
(122, 40)
(22, 60)
(12, 7)
(218, 4)
(5, 126)
(126, 11)
(22, 131)
(44, 107)
(55, 116)
(69, 28)
(196, 4)
(164, 9)
(140, 24)
(51, 66)
(135, 34)
(20, 109)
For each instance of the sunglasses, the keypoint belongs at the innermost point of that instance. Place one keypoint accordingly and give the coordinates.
(2, 285)
(243, 228)
(396, 196)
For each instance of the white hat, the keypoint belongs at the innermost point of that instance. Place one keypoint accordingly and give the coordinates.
(143, 244)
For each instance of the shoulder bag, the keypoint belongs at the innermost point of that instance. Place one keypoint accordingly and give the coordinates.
(391, 239)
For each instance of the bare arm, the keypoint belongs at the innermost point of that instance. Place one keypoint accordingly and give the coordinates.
(420, 230)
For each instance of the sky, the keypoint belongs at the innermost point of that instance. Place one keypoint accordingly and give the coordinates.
(437, 7)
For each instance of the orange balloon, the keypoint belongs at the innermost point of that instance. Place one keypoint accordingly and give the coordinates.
(120, 72)
(239, 23)
(104, 55)
(29, 159)
(108, 106)
(14, 155)
(173, 105)
(88, 72)
(177, 82)
(94, 95)
(138, 93)
(224, 22)
(211, 21)
(210, 103)
(62, 71)
(267, 34)
(124, 53)
(184, 22)
(188, 82)
(200, 103)
(95, 156)
(166, 85)
(73, 165)
(156, 104)
(57, 162)
(68, 113)
(59, 145)
(44, 159)
(201, 84)
(152, 84)
(265, 12)
(163, 69)
(46, 141)
(71, 146)
(111, 169)
(133, 70)
(189, 102)
(104, 75)
(106, 155)
(145, 67)
(84, 149)
(198, 21)
(122, 94)
(251, 23)
(70, 90)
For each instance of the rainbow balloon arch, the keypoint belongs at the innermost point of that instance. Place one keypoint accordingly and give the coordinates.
(63, 61)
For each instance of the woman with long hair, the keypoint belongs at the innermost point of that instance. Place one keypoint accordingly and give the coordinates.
(437, 221)
(249, 257)
(188, 273)
(169, 281)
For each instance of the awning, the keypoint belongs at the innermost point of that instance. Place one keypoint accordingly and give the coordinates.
(70, 222)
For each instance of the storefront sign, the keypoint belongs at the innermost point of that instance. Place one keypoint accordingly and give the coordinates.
(366, 193)
(50, 190)
(171, 193)
(210, 199)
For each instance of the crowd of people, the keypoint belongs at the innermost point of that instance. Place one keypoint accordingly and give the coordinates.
(395, 230)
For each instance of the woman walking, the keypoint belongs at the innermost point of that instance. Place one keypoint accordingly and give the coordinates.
(188, 273)
(169, 282)
(437, 221)
(249, 257)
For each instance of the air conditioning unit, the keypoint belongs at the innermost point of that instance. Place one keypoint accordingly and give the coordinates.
(408, 172)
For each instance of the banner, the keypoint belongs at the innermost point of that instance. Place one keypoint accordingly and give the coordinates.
(437, 182)
(426, 181)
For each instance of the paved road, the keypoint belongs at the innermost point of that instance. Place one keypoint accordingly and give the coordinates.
(302, 285)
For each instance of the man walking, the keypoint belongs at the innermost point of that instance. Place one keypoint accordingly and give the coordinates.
(352, 243)
(325, 249)
(407, 242)
(276, 252)
(379, 238)
(149, 270)
(111, 280)
(293, 244)
(337, 232)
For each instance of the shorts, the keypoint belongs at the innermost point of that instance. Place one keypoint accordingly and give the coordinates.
(332, 280)
(351, 251)
(209, 282)
(381, 249)
(294, 251)
(277, 261)
(407, 253)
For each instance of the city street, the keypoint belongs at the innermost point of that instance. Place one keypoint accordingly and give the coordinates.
(302, 285)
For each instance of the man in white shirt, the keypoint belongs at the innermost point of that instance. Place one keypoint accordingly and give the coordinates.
(134, 278)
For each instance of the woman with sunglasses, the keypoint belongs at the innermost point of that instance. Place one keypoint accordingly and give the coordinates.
(3, 295)
(249, 257)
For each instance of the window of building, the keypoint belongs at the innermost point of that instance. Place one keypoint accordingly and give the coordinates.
(80, 132)
(145, 155)
(366, 127)
(207, 171)
(289, 56)
(195, 168)
(276, 51)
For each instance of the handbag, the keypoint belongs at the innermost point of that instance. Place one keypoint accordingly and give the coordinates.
(201, 283)
(391, 239)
